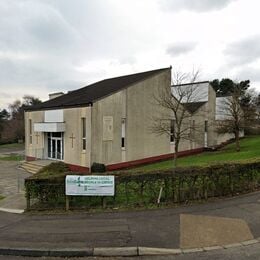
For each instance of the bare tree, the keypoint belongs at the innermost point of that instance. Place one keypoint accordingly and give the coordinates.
(13, 129)
(233, 116)
(176, 120)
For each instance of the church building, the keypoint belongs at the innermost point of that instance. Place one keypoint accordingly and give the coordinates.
(107, 122)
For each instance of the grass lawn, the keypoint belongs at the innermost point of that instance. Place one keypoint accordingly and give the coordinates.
(13, 157)
(14, 145)
(250, 149)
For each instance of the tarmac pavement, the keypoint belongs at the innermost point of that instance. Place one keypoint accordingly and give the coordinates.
(149, 228)
(216, 223)
(12, 186)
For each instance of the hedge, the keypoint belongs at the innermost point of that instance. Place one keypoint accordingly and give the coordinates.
(142, 189)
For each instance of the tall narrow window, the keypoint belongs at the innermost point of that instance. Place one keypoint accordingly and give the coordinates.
(172, 131)
(193, 130)
(123, 123)
(206, 127)
(83, 129)
(30, 131)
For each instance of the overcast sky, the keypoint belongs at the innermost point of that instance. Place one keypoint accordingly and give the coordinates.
(59, 45)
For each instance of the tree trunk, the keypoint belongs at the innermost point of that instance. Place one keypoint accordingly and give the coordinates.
(237, 141)
(176, 150)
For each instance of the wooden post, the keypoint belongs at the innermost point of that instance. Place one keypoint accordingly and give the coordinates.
(67, 203)
(205, 185)
(28, 202)
(104, 204)
(231, 183)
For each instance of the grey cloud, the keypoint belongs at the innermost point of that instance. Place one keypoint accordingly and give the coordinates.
(86, 30)
(42, 74)
(43, 42)
(244, 51)
(127, 60)
(180, 48)
(50, 30)
(194, 5)
(5, 95)
(253, 74)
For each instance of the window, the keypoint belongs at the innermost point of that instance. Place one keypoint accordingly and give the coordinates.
(30, 131)
(83, 130)
(123, 123)
(57, 134)
(206, 127)
(193, 130)
(172, 131)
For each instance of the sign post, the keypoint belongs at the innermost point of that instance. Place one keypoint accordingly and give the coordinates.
(90, 185)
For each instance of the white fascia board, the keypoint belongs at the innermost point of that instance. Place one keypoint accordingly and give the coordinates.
(49, 127)
(191, 93)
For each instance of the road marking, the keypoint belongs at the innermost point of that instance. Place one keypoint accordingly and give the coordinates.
(16, 211)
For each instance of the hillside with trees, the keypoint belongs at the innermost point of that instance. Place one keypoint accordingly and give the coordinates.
(12, 120)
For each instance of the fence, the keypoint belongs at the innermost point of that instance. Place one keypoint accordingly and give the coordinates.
(147, 189)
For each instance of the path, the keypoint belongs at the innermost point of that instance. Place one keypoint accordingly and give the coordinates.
(12, 185)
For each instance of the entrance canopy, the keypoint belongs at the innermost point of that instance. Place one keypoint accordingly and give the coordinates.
(49, 127)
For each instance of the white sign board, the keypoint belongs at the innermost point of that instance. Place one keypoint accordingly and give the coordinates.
(53, 116)
(92, 185)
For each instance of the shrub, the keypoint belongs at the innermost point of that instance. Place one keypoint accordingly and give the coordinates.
(98, 167)
(142, 189)
(53, 169)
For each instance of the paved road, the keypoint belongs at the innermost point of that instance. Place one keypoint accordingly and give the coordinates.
(184, 226)
(152, 228)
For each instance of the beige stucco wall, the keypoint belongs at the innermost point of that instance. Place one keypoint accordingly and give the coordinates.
(136, 105)
(72, 119)
(34, 149)
(75, 155)
(221, 138)
(200, 116)
(208, 112)
(205, 113)
(211, 117)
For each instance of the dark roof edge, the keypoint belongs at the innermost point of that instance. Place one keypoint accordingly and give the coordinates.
(191, 83)
(199, 105)
(157, 71)
(57, 107)
(198, 102)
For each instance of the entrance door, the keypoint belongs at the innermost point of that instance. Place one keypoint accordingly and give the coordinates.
(55, 146)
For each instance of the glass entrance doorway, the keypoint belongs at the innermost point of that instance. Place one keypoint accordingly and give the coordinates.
(55, 146)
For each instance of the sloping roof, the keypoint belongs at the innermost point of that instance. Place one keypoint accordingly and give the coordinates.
(194, 106)
(87, 95)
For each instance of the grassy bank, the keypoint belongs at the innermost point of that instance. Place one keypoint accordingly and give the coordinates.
(11, 146)
(13, 157)
(250, 149)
